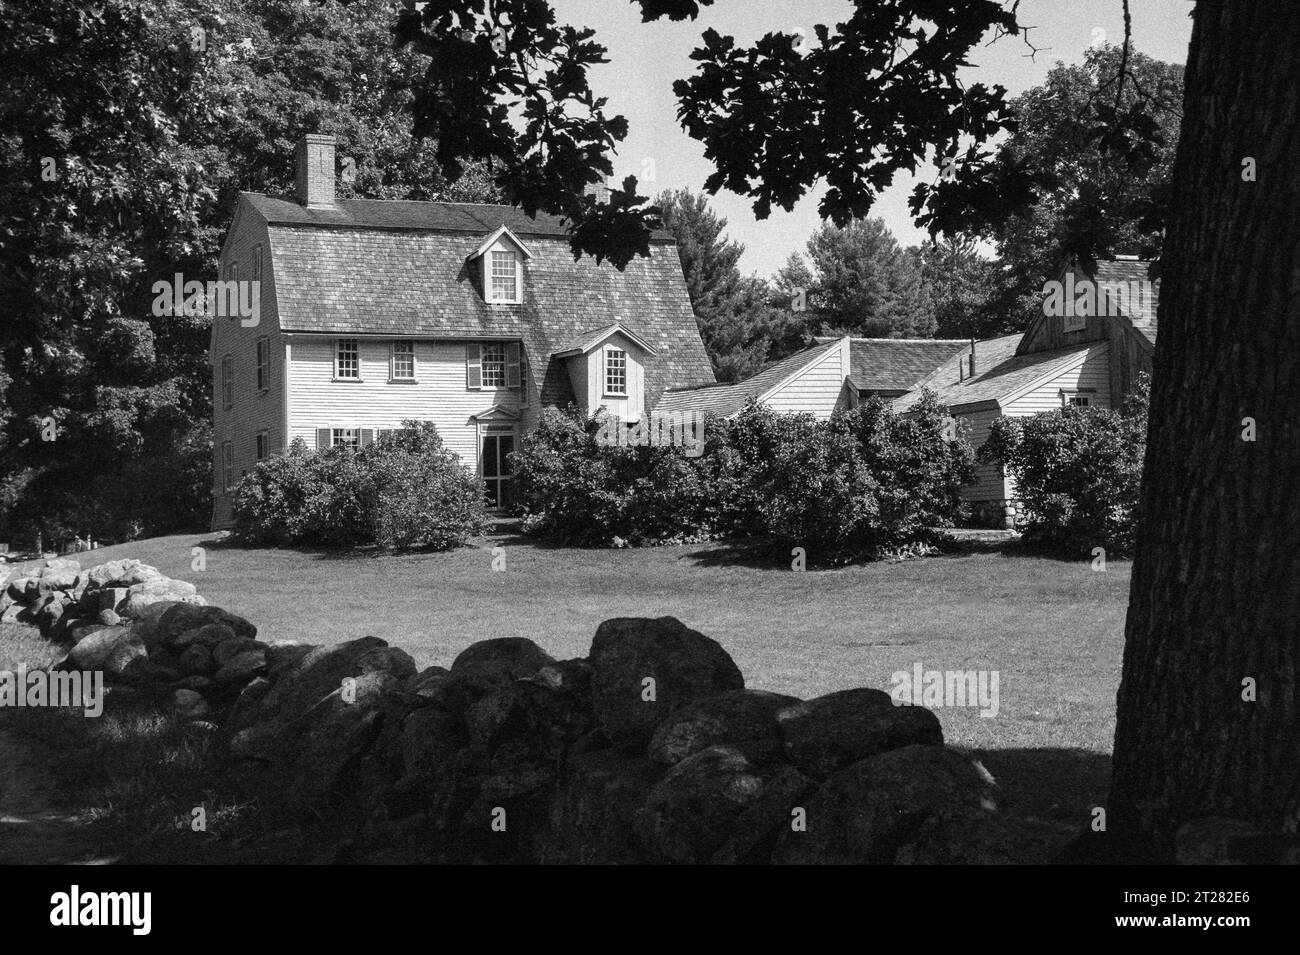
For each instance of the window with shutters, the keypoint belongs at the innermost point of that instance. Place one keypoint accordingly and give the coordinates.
(263, 445)
(403, 361)
(228, 381)
(228, 465)
(345, 437)
(615, 371)
(263, 364)
(493, 362)
(504, 277)
(347, 359)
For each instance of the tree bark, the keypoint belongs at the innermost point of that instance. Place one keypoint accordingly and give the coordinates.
(1215, 596)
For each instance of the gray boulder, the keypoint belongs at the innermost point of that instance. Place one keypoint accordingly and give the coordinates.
(731, 717)
(717, 801)
(187, 616)
(241, 668)
(684, 666)
(189, 705)
(877, 809)
(830, 732)
(111, 649)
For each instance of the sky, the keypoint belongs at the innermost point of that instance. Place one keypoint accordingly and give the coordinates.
(645, 59)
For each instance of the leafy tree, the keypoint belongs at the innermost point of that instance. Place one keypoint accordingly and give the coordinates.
(732, 310)
(127, 131)
(957, 279)
(1088, 199)
(864, 283)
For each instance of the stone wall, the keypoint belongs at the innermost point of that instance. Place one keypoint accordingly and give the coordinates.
(648, 750)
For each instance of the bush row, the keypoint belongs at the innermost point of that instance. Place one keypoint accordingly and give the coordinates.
(839, 488)
(405, 490)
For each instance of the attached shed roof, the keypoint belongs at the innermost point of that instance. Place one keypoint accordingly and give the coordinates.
(589, 340)
(999, 373)
(727, 399)
(895, 364)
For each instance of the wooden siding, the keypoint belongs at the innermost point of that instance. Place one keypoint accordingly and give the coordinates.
(1093, 373)
(990, 483)
(440, 392)
(818, 389)
(629, 408)
(253, 410)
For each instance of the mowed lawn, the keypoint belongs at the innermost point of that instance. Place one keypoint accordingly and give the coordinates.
(1052, 629)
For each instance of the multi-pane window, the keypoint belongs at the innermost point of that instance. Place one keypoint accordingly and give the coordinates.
(347, 437)
(347, 358)
(1081, 401)
(263, 442)
(494, 366)
(615, 372)
(504, 278)
(228, 382)
(263, 364)
(228, 465)
(403, 360)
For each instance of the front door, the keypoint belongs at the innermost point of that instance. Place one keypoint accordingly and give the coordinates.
(495, 458)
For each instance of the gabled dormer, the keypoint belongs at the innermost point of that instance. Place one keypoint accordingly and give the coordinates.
(499, 267)
(607, 368)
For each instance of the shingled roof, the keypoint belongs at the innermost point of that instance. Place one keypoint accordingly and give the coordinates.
(1116, 277)
(895, 364)
(372, 267)
(999, 372)
(727, 399)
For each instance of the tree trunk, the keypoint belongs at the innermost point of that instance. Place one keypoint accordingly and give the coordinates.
(1215, 597)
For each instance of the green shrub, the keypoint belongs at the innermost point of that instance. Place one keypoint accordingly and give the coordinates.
(405, 490)
(575, 490)
(1078, 472)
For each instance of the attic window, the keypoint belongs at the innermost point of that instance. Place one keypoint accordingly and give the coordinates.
(504, 277)
(1075, 399)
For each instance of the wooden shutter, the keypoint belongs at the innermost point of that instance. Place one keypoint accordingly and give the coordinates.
(474, 367)
(367, 436)
(323, 439)
(512, 364)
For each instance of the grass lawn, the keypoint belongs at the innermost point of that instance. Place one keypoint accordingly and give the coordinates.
(1053, 630)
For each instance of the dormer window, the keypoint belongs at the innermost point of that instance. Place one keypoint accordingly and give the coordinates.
(499, 264)
(505, 278)
(615, 371)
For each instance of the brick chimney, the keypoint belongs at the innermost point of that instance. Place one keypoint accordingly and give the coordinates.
(314, 170)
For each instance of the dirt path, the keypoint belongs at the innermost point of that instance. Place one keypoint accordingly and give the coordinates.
(33, 830)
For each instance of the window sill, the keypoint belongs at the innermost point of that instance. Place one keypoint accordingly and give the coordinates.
(356, 380)
(403, 381)
(610, 394)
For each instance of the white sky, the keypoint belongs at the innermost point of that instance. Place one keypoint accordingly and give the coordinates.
(646, 58)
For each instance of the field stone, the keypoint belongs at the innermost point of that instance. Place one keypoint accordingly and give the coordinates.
(830, 732)
(500, 660)
(252, 692)
(870, 812)
(164, 586)
(233, 646)
(12, 613)
(685, 665)
(196, 683)
(714, 798)
(241, 667)
(111, 598)
(109, 618)
(731, 717)
(592, 812)
(110, 649)
(183, 617)
(320, 672)
(210, 635)
(428, 743)
(196, 660)
(189, 704)
(425, 679)
(146, 622)
(122, 573)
